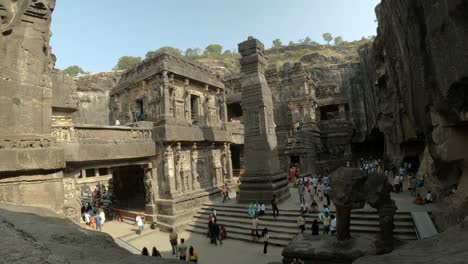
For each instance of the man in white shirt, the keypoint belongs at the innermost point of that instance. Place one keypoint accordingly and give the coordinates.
(396, 183)
(429, 198)
(314, 184)
(139, 222)
(333, 225)
(262, 209)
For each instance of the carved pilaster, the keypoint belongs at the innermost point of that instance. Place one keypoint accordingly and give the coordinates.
(169, 171)
(194, 160)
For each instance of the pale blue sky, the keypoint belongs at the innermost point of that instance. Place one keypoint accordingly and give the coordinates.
(94, 34)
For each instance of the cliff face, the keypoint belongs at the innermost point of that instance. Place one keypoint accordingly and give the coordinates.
(413, 86)
(93, 93)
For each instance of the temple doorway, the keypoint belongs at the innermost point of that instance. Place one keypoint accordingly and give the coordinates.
(295, 160)
(237, 159)
(129, 187)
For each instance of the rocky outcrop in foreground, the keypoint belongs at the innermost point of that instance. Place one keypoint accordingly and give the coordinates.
(37, 235)
(447, 247)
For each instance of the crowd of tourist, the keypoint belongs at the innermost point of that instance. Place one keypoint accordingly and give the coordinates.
(93, 213)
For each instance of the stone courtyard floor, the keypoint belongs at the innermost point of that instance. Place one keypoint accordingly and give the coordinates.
(232, 251)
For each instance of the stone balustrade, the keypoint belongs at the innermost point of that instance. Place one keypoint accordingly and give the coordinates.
(89, 133)
(237, 132)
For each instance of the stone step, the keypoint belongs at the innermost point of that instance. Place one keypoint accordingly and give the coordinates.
(240, 237)
(132, 236)
(292, 217)
(236, 208)
(293, 229)
(280, 239)
(408, 227)
(244, 207)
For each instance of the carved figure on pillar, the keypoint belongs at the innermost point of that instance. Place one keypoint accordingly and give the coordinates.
(178, 166)
(194, 158)
(149, 193)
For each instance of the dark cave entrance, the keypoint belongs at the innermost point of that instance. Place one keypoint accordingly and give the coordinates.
(234, 111)
(129, 187)
(372, 147)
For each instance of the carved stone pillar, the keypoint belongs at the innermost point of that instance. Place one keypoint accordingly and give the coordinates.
(169, 171)
(343, 218)
(166, 97)
(194, 159)
(384, 242)
(179, 168)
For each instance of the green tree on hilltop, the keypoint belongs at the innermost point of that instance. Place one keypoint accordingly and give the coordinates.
(73, 71)
(277, 43)
(126, 62)
(192, 53)
(307, 40)
(171, 50)
(327, 37)
(213, 49)
(339, 41)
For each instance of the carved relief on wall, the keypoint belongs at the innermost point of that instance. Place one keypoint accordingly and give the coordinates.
(72, 203)
(217, 167)
(149, 191)
(169, 169)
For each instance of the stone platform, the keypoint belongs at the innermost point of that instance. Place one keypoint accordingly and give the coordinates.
(262, 188)
(327, 249)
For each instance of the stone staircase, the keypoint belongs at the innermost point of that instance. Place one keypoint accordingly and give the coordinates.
(283, 229)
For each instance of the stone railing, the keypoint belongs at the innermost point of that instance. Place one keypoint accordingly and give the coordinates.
(334, 124)
(90, 133)
(237, 132)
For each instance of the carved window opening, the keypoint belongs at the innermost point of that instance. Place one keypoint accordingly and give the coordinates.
(90, 173)
(194, 108)
(234, 112)
(103, 171)
(329, 112)
(139, 110)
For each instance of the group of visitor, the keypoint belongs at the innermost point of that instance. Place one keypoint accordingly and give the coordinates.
(256, 209)
(294, 172)
(296, 126)
(328, 222)
(235, 120)
(316, 187)
(155, 252)
(93, 217)
(216, 232)
(256, 236)
(371, 165)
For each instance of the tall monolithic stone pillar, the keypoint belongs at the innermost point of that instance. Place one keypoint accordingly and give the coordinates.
(30, 162)
(263, 177)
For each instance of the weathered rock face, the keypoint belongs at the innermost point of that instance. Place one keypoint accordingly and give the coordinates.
(93, 94)
(29, 158)
(57, 241)
(413, 89)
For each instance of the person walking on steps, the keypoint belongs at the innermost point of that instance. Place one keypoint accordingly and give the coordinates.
(182, 249)
(265, 236)
(254, 232)
(274, 206)
(301, 223)
(173, 240)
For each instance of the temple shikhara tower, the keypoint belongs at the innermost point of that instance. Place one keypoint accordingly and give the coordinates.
(263, 177)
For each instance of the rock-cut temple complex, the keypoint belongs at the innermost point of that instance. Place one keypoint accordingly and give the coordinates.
(165, 135)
